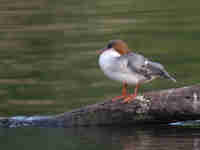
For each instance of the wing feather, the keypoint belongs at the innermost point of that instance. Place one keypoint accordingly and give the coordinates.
(141, 65)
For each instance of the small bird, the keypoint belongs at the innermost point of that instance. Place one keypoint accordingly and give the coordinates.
(120, 64)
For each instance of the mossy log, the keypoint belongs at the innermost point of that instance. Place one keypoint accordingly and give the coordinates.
(177, 104)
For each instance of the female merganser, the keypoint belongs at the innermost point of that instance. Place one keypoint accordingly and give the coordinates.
(119, 63)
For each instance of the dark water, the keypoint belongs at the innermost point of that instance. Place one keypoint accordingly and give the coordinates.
(151, 138)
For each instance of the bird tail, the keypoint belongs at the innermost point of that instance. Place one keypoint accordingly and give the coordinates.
(167, 76)
(159, 69)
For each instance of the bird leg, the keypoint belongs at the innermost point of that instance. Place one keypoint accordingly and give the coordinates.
(131, 97)
(124, 93)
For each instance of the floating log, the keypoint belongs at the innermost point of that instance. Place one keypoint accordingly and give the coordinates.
(164, 106)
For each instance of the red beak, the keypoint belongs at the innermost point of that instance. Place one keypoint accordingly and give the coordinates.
(101, 51)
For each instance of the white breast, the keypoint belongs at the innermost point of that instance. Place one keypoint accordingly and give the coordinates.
(116, 69)
(106, 59)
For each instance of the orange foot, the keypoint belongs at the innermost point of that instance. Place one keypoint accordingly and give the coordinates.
(129, 98)
(118, 98)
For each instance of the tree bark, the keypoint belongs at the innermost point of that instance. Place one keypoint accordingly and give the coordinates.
(177, 104)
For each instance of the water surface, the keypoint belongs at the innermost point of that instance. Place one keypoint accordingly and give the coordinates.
(48, 49)
(124, 138)
(48, 65)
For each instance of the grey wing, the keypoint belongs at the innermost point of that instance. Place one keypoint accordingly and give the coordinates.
(154, 68)
(136, 63)
(157, 69)
(141, 65)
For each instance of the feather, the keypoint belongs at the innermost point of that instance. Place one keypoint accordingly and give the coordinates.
(141, 65)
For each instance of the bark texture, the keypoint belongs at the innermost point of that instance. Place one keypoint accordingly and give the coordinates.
(163, 106)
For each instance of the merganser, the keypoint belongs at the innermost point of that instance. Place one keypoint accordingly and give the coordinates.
(119, 63)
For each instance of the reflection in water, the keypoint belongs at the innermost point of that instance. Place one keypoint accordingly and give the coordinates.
(196, 144)
(124, 138)
(141, 138)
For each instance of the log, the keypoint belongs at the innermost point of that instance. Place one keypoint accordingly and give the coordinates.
(164, 106)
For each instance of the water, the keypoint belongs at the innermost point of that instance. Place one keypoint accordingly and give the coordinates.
(48, 49)
(124, 138)
(49, 65)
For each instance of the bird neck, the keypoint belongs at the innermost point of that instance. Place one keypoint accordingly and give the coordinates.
(123, 51)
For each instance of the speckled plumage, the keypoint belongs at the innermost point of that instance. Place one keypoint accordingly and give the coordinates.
(131, 68)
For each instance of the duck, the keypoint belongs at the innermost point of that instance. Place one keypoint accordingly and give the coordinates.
(119, 63)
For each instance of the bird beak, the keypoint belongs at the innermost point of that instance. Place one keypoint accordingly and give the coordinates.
(101, 51)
